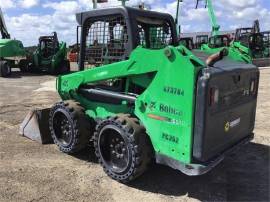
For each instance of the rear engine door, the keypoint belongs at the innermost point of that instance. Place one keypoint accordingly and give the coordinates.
(225, 108)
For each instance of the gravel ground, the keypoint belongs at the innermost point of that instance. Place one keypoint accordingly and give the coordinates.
(33, 172)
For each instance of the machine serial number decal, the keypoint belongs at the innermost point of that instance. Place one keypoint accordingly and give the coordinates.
(170, 110)
(173, 91)
(170, 138)
(232, 124)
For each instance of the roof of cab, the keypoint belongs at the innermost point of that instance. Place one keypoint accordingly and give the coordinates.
(126, 11)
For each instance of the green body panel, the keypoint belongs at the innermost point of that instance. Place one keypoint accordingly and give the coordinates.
(207, 49)
(51, 63)
(237, 52)
(243, 50)
(267, 52)
(251, 54)
(11, 48)
(168, 92)
(165, 108)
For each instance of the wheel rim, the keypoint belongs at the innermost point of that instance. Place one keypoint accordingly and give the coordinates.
(113, 149)
(62, 127)
(8, 69)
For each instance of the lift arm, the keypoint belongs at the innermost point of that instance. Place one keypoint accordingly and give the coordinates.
(215, 26)
(3, 27)
(210, 8)
(137, 64)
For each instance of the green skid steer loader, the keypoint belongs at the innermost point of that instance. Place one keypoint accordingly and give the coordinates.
(50, 56)
(141, 97)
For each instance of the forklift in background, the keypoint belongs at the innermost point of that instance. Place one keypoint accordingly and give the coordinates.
(266, 43)
(253, 42)
(251, 38)
(187, 42)
(200, 40)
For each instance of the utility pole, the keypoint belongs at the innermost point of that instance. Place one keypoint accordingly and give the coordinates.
(94, 4)
(177, 15)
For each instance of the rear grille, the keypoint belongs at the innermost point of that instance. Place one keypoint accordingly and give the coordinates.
(233, 94)
(228, 119)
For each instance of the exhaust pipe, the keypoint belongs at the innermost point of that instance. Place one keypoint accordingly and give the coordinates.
(211, 60)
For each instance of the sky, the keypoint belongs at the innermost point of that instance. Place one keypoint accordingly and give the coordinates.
(26, 20)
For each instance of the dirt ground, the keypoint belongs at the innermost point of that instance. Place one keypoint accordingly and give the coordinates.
(33, 172)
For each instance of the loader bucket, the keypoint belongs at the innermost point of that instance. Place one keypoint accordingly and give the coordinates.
(35, 126)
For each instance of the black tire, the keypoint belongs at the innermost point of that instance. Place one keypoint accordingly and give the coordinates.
(122, 148)
(70, 128)
(24, 66)
(5, 69)
(32, 68)
(64, 67)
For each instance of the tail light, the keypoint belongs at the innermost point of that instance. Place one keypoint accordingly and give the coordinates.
(214, 96)
(252, 87)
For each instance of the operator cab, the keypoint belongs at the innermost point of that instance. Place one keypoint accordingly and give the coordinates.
(219, 41)
(200, 40)
(187, 42)
(253, 40)
(109, 35)
(256, 44)
(266, 43)
(266, 38)
(242, 34)
(48, 45)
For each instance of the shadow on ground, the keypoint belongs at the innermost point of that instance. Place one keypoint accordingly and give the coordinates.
(18, 74)
(242, 176)
(87, 154)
